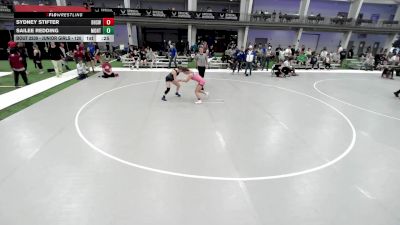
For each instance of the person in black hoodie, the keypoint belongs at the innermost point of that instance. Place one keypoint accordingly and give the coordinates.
(350, 54)
(24, 54)
(314, 61)
(56, 57)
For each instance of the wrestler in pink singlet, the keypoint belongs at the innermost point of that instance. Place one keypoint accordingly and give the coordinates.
(199, 79)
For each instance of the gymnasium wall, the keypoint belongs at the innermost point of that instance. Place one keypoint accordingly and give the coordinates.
(286, 6)
(275, 37)
(328, 8)
(384, 11)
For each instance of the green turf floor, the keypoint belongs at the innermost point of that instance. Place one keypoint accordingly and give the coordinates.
(33, 74)
(4, 113)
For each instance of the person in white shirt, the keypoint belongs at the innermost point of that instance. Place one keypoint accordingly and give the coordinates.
(309, 52)
(82, 70)
(340, 49)
(369, 62)
(395, 59)
(327, 62)
(287, 68)
(250, 55)
(324, 54)
(288, 52)
(63, 61)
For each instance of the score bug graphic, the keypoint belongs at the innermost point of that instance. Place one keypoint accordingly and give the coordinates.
(64, 26)
(108, 22)
(108, 26)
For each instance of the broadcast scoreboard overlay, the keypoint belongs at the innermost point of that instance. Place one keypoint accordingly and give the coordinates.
(64, 26)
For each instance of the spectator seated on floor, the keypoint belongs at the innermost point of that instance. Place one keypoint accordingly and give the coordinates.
(277, 69)
(82, 70)
(107, 70)
(287, 68)
(387, 73)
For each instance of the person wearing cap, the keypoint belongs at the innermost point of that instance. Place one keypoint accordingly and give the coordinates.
(250, 56)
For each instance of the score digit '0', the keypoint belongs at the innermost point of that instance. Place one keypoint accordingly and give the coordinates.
(108, 22)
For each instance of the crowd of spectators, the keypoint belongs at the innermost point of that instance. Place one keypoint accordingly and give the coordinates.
(285, 60)
(85, 56)
(307, 58)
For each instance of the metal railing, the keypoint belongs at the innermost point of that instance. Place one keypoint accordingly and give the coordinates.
(319, 20)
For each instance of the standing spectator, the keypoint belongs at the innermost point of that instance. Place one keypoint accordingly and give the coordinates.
(24, 54)
(240, 57)
(303, 49)
(281, 55)
(97, 53)
(201, 62)
(63, 61)
(250, 56)
(343, 55)
(92, 50)
(172, 55)
(293, 51)
(17, 66)
(269, 56)
(288, 52)
(56, 56)
(78, 54)
(263, 53)
(89, 58)
(12, 44)
(340, 49)
(278, 50)
(394, 60)
(350, 54)
(37, 59)
(274, 16)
